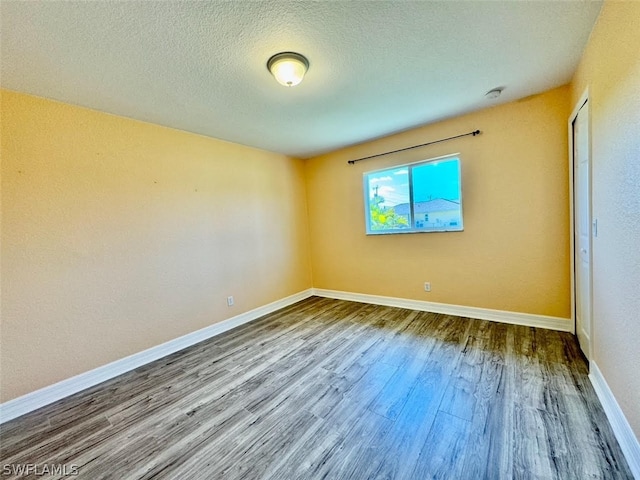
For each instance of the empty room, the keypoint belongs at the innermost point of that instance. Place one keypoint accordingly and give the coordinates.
(320, 239)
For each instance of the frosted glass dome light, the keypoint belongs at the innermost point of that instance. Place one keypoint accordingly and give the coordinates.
(288, 68)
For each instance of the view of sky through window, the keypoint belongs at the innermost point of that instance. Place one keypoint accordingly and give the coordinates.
(436, 180)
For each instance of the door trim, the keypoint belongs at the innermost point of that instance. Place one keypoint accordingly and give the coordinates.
(584, 98)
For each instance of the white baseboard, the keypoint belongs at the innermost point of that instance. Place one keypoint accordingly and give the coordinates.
(624, 434)
(34, 400)
(516, 318)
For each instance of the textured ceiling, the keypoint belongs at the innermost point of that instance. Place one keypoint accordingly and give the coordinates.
(376, 67)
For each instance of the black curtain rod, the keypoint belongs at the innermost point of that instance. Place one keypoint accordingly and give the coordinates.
(474, 133)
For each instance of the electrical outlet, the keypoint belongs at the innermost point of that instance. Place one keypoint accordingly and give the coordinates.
(427, 286)
(230, 301)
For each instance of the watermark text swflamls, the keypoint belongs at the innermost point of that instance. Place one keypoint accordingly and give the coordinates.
(39, 469)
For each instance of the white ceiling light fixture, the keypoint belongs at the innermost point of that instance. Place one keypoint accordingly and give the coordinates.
(288, 68)
(494, 93)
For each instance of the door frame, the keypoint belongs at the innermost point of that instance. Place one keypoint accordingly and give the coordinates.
(584, 98)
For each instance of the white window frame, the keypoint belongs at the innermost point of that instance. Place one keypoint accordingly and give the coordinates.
(412, 229)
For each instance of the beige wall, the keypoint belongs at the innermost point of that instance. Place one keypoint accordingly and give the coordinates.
(119, 235)
(514, 251)
(610, 68)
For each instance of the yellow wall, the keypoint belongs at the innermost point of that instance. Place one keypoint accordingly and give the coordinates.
(514, 251)
(610, 68)
(119, 235)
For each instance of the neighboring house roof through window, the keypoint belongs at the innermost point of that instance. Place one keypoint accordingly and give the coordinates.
(435, 205)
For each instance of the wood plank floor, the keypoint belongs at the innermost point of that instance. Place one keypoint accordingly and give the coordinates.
(338, 390)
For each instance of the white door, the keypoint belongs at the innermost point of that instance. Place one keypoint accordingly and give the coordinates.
(582, 227)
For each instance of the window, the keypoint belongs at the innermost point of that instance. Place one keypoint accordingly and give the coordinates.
(419, 197)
